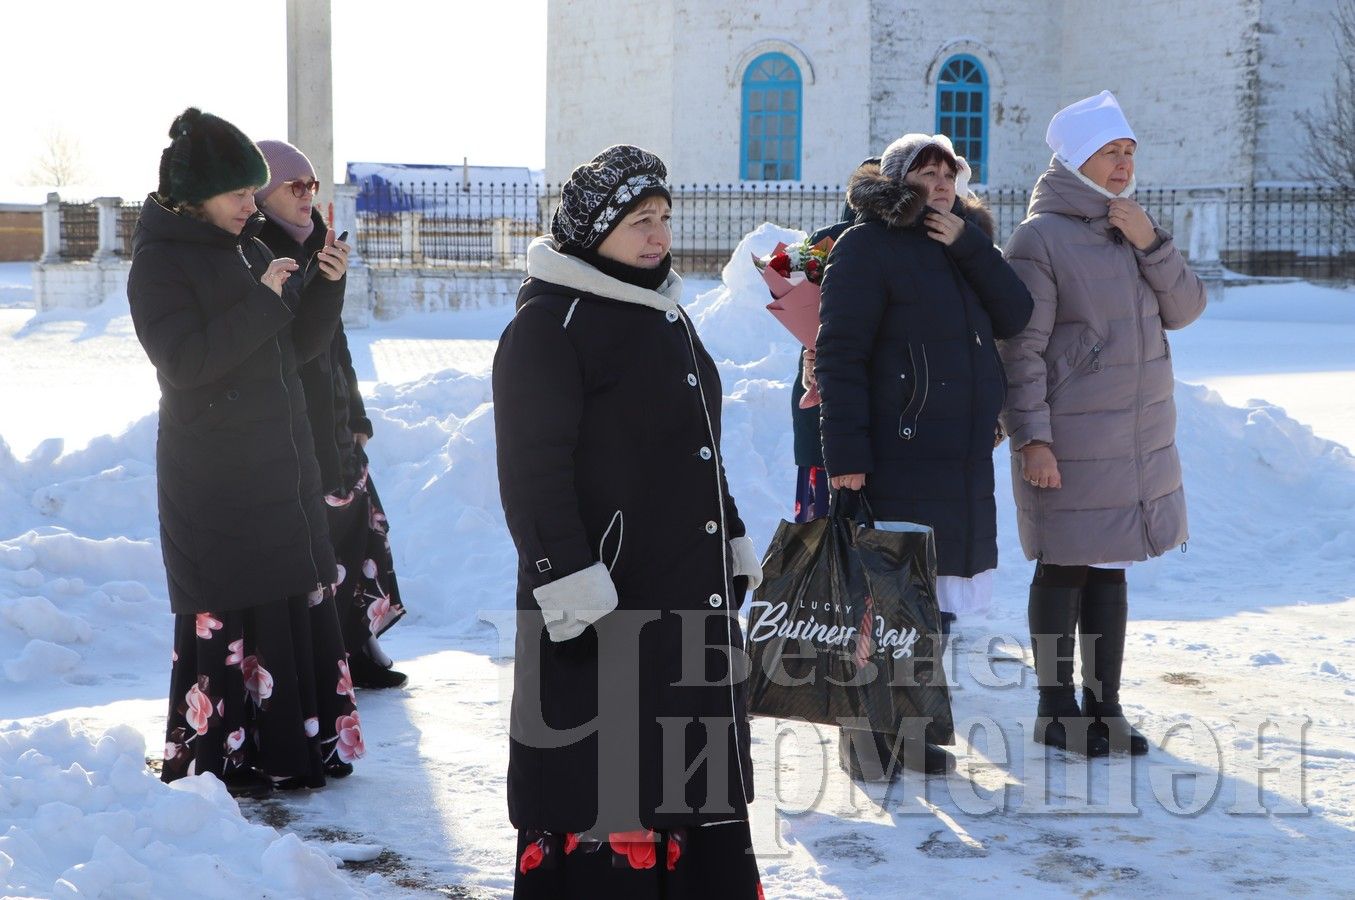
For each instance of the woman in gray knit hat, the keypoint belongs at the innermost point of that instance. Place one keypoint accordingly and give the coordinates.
(911, 384)
(628, 770)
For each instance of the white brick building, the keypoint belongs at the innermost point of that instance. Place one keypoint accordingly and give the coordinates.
(802, 90)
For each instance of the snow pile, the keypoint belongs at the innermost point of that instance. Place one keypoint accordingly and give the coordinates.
(86, 818)
(83, 560)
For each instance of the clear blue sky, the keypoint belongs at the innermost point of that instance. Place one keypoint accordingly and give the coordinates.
(413, 81)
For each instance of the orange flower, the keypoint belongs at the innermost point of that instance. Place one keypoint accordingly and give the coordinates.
(532, 856)
(636, 846)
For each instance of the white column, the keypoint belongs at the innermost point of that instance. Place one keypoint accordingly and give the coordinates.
(51, 229)
(108, 228)
(310, 89)
(357, 298)
(1206, 238)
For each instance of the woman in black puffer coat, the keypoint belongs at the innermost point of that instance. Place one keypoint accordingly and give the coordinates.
(260, 692)
(366, 595)
(913, 297)
(628, 766)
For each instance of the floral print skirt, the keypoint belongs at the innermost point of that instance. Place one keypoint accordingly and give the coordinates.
(366, 596)
(701, 863)
(264, 690)
(811, 494)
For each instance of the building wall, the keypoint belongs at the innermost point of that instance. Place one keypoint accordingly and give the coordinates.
(715, 44)
(1187, 82)
(609, 68)
(911, 42)
(1299, 58)
(1212, 88)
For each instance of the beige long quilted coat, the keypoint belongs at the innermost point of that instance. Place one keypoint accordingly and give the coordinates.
(1092, 375)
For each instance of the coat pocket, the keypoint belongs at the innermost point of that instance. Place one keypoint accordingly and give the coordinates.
(1083, 357)
(917, 361)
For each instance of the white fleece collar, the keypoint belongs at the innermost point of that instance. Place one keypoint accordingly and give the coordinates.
(547, 263)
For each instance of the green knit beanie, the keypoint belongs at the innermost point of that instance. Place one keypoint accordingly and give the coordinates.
(207, 156)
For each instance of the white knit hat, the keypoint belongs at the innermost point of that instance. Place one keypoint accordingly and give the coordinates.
(898, 158)
(1080, 129)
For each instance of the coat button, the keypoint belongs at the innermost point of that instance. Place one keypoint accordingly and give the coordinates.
(715, 600)
(671, 315)
(232, 394)
(691, 379)
(903, 375)
(705, 452)
(711, 527)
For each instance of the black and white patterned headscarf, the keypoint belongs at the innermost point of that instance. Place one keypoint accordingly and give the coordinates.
(598, 193)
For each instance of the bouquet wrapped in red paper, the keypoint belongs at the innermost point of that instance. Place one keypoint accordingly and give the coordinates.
(793, 273)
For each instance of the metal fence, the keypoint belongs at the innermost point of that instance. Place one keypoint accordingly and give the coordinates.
(1307, 232)
(79, 230)
(128, 213)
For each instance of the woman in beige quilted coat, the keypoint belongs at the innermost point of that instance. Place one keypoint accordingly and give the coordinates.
(1090, 412)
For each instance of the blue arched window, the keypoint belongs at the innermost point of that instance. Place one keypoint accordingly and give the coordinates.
(769, 149)
(962, 110)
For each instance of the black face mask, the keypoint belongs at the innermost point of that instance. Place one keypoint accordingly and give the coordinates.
(649, 279)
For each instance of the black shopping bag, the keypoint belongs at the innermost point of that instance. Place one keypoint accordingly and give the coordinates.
(845, 626)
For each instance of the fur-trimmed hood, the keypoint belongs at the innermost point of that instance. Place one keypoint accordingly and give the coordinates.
(545, 262)
(875, 195)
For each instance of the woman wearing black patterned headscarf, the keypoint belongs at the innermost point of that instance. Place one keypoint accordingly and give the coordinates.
(629, 772)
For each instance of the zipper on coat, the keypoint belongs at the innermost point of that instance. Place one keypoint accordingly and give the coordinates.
(296, 455)
(1147, 533)
(1092, 363)
(1138, 415)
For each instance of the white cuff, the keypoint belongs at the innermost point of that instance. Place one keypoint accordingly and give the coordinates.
(746, 562)
(576, 601)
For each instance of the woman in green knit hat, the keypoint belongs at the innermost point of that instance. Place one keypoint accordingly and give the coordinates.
(260, 693)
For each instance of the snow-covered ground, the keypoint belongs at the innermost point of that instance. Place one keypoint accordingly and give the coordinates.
(1241, 660)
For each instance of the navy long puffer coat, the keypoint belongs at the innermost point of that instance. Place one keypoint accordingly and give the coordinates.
(907, 367)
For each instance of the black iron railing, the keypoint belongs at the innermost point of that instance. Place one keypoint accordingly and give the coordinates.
(1284, 231)
(128, 213)
(79, 230)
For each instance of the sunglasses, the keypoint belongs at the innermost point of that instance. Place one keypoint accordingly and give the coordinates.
(301, 188)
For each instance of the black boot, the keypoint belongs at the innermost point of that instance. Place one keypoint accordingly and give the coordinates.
(948, 620)
(867, 756)
(1053, 613)
(367, 674)
(1105, 613)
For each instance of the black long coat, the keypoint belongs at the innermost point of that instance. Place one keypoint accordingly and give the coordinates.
(333, 401)
(910, 378)
(607, 417)
(242, 520)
